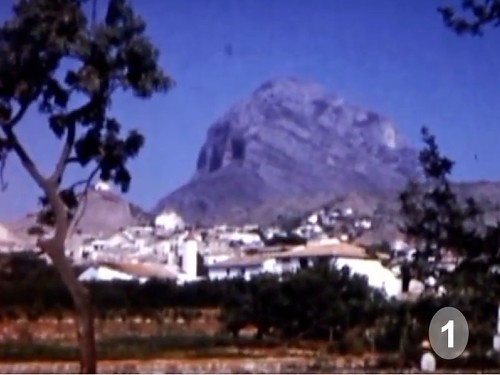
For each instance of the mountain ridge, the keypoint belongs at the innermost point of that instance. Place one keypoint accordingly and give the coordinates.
(289, 148)
(288, 140)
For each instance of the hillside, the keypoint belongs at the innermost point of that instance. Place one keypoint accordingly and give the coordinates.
(106, 212)
(291, 141)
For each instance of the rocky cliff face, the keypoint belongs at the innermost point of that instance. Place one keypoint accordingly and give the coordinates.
(291, 140)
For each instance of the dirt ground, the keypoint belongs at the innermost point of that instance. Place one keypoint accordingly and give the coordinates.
(308, 359)
(274, 365)
(62, 330)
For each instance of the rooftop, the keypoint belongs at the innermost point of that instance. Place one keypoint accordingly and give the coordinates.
(142, 269)
(322, 248)
(319, 249)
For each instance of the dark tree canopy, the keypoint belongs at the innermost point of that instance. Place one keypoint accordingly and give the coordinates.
(475, 15)
(51, 57)
(433, 216)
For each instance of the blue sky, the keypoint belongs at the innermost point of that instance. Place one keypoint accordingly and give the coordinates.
(389, 55)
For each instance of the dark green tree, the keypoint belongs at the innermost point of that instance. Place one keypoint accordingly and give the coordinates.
(433, 215)
(482, 251)
(320, 302)
(475, 15)
(236, 311)
(54, 60)
(268, 304)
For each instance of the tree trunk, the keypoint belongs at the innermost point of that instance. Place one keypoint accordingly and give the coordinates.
(84, 319)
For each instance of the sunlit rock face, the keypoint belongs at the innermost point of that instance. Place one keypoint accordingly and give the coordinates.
(290, 138)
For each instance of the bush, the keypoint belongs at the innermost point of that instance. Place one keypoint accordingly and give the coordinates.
(354, 342)
(320, 303)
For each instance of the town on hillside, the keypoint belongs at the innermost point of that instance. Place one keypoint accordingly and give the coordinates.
(168, 248)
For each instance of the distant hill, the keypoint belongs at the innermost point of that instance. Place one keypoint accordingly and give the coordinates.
(106, 212)
(291, 145)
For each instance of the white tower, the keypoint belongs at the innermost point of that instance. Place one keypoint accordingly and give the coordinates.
(190, 257)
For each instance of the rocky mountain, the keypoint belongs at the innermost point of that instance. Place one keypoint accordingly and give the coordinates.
(291, 146)
(106, 212)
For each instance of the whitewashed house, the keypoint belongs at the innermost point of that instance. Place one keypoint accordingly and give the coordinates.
(364, 223)
(245, 266)
(8, 241)
(215, 258)
(120, 239)
(166, 251)
(308, 230)
(348, 211)
(169, 222)
(339, 254)
(90, 249)
(105, 273)
(102, 186)
(242, 238)
(128, 271)
(313, 219)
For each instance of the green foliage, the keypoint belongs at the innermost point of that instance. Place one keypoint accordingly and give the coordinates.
(319, 303)
(29, 284)
(433, 216)
(52, 58)
(126, 347)
(436, 218)
(478, 14)
(314, 303)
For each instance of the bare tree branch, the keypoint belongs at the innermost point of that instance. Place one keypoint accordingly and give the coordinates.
(71, 118)
(19, 115)
(72, 160)
(49, 188)
(84, 198)
(66, 151)
(3, 163)
(23, 156)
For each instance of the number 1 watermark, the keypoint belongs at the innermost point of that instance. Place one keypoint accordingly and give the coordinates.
(448, 327)
(448, 333)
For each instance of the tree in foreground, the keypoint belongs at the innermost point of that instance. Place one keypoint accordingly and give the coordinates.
(53, 59)
(434, 217)
(475, 15)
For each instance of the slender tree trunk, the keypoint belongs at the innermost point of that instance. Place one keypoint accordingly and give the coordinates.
(84, 319)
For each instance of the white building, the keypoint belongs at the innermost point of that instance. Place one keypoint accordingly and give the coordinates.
(242, 238)
(189, 258)
(169, 221)
(313, 219)
(105, 273)
(128, 271)
(339, 254)
(215, 258)
(8, 241)
(245, 266)
(102, 186)
(348, 211)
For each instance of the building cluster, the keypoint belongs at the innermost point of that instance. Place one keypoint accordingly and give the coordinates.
(170, 249)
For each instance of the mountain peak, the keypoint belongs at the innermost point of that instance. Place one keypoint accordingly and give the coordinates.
(291, 138)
